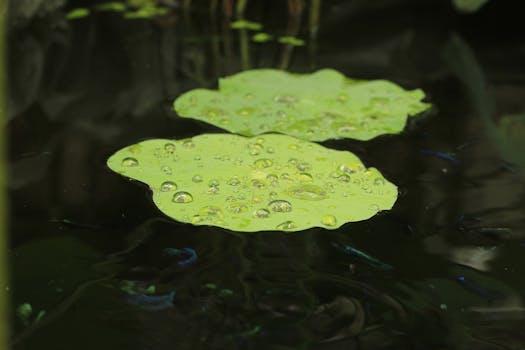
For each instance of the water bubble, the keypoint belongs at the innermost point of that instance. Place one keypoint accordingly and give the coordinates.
(286, 177)
(270, 150)
(281, 114)
(188, 144)
(260, 184)
(196, 178)
(344, 178)
(167, 186)
(169, 147)
(305, 177)
(259, 140)
(245, 112)
(366, 188)
(347, 168)
(285, 99)
(379, 182)
(182, 197)
(166, 170)
(263, 163)
(135, 149)
(214, 113)
(129, 162)
(280, 206)
(197, 158)
(345, 129)
(237, 208)
(231, 199)
(271, 177)
(255, 148)
(234, 181)
(213, 189)
(287, 225)
(293, 147)
(272, 195)
(213, 183)
(293, 161)
(197, 219)
(210, 210)
(262, 213)
(329, 220)
(374, 207)
(304, 166)
(307, 192)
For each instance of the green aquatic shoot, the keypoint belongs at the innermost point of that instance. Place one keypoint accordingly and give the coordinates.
(290, 40)
(243, 24)
(78, 13)
(268, 183)
(261, 37)
(319, 106)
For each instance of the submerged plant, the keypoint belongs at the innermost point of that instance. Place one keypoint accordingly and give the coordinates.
(319, 106)
(268, 183)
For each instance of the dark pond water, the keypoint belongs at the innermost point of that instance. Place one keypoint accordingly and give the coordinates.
(455, 239)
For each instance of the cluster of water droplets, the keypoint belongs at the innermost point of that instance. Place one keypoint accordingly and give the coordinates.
(262, 184)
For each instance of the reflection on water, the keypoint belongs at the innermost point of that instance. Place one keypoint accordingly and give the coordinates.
(110, 271)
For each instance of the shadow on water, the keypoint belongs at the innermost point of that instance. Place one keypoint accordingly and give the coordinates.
(442, 270)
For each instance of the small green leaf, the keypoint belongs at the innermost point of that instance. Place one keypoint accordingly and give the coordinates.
(24, 312)
(319, 106)
(146, 12)
(78, 13)
(290, 40)
(261, 37)
(271, 182)
(242, 24)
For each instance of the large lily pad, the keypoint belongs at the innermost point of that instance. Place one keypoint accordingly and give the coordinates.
(319, 106)
(271, 182)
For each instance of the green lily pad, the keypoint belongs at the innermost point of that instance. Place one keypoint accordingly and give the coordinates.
(261, 37)
(319, 106)
(78, 13)
(243, 24)
(290, 40)
(271, 182)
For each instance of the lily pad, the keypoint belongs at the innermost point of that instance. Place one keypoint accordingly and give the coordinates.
(316, 107)
(271, 182)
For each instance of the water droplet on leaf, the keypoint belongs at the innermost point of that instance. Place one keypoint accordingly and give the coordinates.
(329, 220)
(182, 197)
(168, 186)
(280, 206)
(129, 162)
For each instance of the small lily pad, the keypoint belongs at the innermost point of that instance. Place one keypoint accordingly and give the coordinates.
(290, 40)
(243, 24)
(261, 37)
(268, 183)
(316, 107)
(78, 13)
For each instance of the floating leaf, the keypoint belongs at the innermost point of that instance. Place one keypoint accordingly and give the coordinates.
(242, 24)
(290, 40)
(270, 182)
(319, 106)
(78, 13)
(468, 6)
(261, 37)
